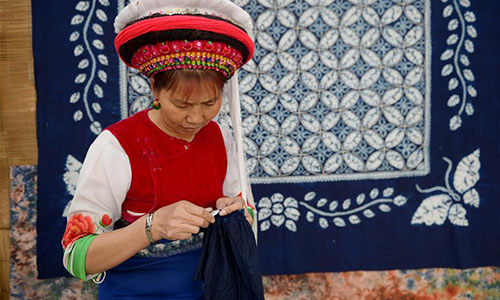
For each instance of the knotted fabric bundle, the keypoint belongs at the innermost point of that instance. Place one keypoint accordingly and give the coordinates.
(229, 263)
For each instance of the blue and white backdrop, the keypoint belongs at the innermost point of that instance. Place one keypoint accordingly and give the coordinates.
(370, 127)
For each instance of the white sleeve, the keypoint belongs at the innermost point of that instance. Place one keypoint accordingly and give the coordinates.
(103, 183)
(104, 180)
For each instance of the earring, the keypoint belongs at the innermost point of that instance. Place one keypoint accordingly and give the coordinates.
(156, 104)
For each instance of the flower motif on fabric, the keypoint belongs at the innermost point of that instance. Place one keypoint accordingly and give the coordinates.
(105, 221)
(78, 226)
(70, 178)
(446, 205)
(278, 211)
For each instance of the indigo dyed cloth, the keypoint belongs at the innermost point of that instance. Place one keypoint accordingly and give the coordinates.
(229, 262)
(371, 127)
(478, 283)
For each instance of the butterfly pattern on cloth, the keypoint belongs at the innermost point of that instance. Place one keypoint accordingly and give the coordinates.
(446, 205)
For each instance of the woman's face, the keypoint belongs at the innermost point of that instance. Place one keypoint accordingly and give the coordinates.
(184, 116)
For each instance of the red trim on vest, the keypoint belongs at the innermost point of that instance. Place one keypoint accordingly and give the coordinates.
(164, 171)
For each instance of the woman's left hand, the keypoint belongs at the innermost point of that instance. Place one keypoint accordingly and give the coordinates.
(229, 205)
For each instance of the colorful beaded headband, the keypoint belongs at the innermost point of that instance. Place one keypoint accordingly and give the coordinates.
(199, 54)
(178, 53)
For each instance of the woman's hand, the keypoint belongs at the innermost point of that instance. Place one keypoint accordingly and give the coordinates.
(229, 205)
(180, 221)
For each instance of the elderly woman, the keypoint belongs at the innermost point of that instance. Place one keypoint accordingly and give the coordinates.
(150, 182)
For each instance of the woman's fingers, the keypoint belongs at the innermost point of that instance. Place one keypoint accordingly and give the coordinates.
(222, 202)
(198, 211)
(180, 220)
(233, 205)
(197, 221)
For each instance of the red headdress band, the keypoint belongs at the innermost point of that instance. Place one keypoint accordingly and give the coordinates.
(167, 55)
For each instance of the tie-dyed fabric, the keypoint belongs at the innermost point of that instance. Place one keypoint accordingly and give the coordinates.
(423, 284)
(370, 126)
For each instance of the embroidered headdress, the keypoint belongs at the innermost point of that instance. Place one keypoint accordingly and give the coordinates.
(161, 35)
(155, 35)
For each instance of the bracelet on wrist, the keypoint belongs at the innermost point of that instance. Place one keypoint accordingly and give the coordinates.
(149, 224)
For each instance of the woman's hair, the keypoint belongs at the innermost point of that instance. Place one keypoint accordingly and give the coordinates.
(190, 83)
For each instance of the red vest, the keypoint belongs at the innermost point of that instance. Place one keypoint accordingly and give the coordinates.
(166, 169)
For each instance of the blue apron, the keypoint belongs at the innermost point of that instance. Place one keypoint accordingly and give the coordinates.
(162, 271)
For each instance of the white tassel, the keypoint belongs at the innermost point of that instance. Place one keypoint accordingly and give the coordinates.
(232, 95)
(235, 111)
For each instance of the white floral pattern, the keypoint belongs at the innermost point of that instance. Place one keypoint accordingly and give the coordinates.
(278, 211)
(93, 69)
(337, 90)
(70, 178)
(436, 209)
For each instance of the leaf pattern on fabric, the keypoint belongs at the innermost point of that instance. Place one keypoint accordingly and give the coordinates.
(457, 63)
(88, 78)
(433, 210)
(278, 210)
(467, 173)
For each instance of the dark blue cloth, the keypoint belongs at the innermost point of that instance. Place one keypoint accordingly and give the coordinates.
(229, 263)
(76, 80)
(396, 220)
(167, 278)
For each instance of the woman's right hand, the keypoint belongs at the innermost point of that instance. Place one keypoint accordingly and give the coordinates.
(180, 221)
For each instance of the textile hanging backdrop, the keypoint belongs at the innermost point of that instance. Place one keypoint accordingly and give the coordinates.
(422, 284)
(370, 127)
